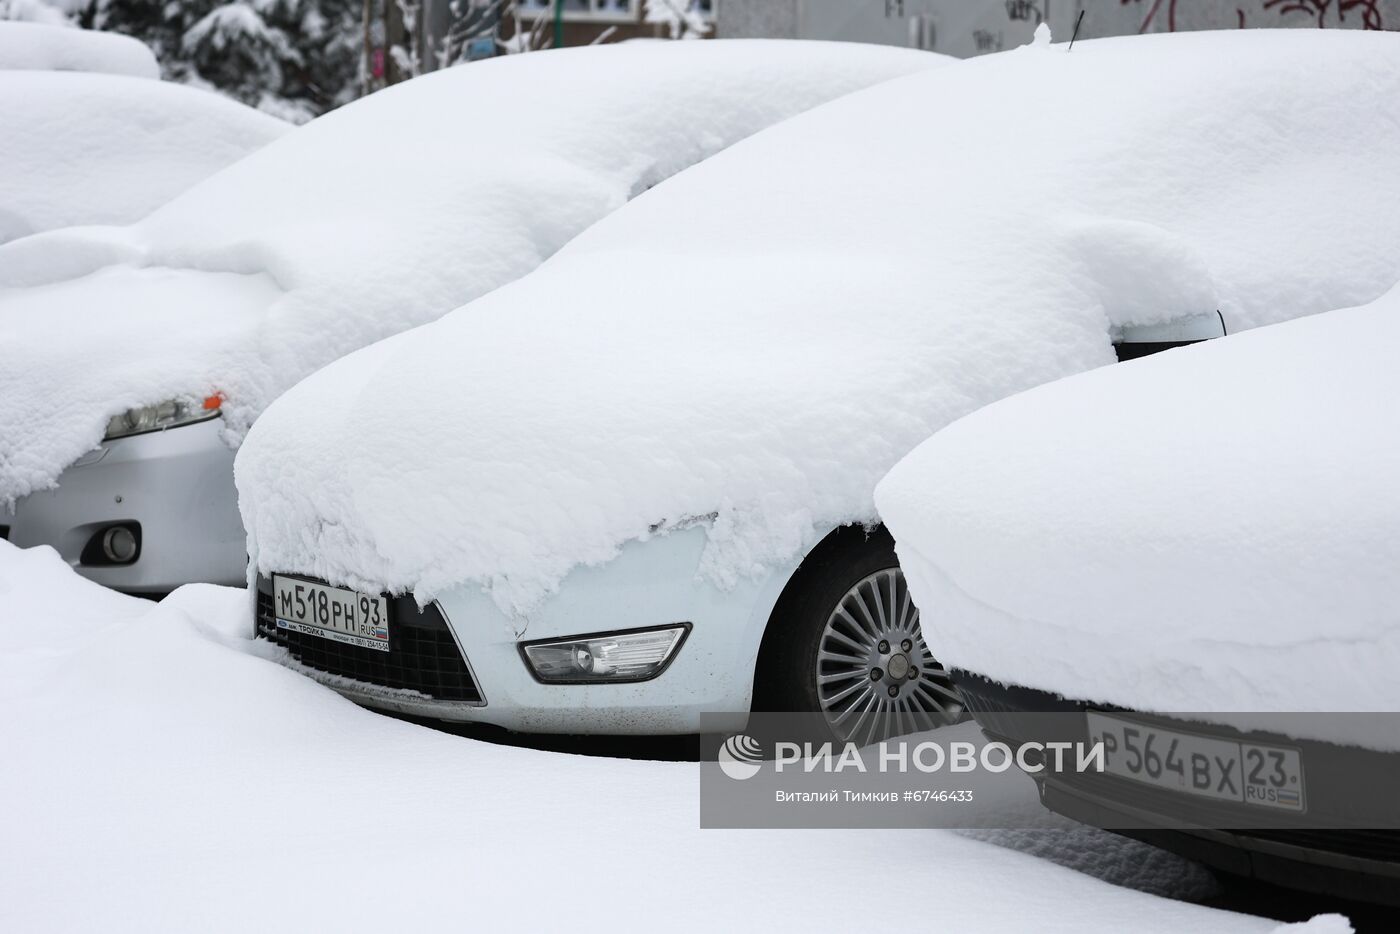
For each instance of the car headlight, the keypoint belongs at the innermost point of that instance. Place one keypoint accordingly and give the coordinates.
(630, 655)
(170, 414)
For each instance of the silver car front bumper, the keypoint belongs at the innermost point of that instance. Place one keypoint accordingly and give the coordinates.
(177, 484)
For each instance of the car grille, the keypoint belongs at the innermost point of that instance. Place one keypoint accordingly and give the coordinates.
(423, 656)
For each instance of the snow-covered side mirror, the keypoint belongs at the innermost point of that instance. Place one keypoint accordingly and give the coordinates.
(1133, 341)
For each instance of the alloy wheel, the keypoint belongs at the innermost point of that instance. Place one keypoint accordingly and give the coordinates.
(875, 676)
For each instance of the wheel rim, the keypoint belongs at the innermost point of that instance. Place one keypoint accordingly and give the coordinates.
(875, 676)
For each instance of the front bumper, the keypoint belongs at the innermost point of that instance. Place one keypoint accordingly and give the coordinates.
(425, 672)
(177, 484)
(650, 583)
(1335, 857)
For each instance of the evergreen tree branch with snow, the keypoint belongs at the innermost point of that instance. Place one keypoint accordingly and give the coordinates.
(681, 18)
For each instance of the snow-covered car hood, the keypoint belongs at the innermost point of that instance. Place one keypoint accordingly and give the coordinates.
(765, 336)
(109, 149)
(1211, 529)
(375, 218)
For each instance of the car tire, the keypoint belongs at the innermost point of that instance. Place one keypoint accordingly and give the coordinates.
(844, 643)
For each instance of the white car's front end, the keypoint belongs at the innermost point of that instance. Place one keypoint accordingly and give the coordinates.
(686, 648)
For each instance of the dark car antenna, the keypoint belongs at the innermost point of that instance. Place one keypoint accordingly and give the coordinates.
(1075, 35)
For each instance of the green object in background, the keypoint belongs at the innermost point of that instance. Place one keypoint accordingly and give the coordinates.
(558, 23)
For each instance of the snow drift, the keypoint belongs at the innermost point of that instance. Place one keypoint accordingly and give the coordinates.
(380, 216)
(766, 335)
(153, 760)
(45, 47)
(109, 149)
(1211, 529)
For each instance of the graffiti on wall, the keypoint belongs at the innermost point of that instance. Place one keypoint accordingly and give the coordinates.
(1161, 15)
(1025, 10)
(975, 27)
(966, 28)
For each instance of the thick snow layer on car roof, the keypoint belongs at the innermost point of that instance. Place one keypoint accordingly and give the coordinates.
(42, 47)
(1215, 528)
(766, 336)
(109, 149)
(375, 218)
(167, 769)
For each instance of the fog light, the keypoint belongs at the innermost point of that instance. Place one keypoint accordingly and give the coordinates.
(119, 544)
(631, 655)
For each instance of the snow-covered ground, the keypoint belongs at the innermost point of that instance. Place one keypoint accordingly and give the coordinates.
(1194, 531)
(159, 775)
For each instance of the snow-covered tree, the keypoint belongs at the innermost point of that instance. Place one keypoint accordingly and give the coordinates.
(472, 21)
(526, 37)
(294, 58)
(683, 19)
(408, 57)
(234, 48)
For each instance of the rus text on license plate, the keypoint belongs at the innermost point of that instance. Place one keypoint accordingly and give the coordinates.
(1250, 773)
(331, 613)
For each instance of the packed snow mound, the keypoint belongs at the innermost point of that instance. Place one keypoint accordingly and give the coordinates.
(109, 149)
(47, 610)
(1187, 532)
(149, 751)
(45, 47)
(373, 219)
(764, 337)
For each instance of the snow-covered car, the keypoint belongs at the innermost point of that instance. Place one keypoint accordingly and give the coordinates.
(81, 148)
(1212, 595)
(139, 356)
(38, 46)
(599, 503)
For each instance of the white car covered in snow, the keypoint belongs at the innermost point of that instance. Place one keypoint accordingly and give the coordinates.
(81, 148)
(1230, 557)
(42, 46)
(636, 487)
(137, 357)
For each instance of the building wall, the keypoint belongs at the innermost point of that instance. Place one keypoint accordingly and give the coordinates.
(973, 27)
(756, 19)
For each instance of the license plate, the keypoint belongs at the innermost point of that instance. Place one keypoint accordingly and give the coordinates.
(331, 613)
(1248, 773)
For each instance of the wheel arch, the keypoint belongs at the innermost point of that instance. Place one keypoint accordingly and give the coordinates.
(837, 545)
